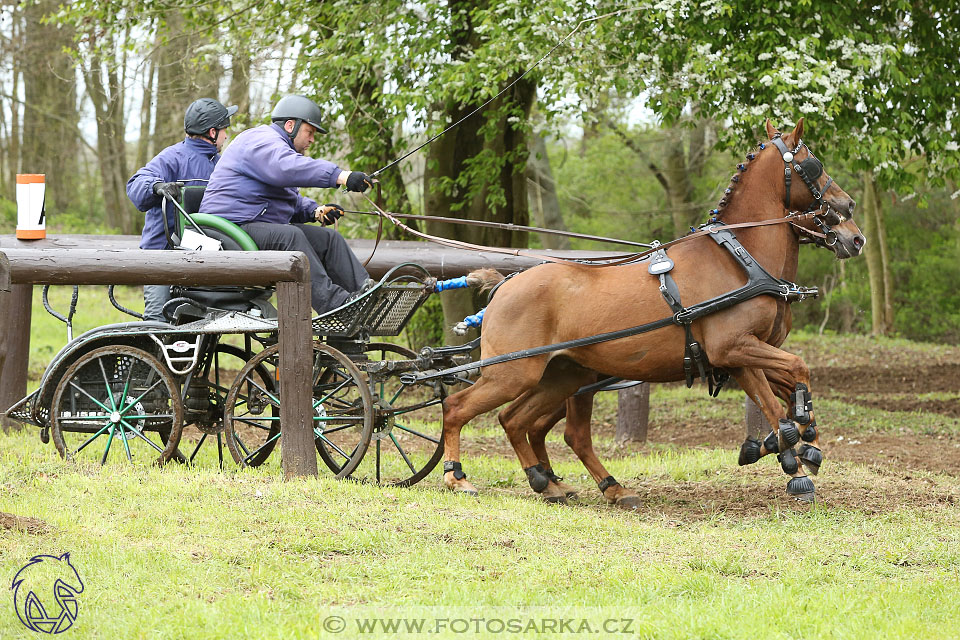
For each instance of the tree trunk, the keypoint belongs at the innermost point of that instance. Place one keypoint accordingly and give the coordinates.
(679, 187)
(240, 83)
(144, 147)
(448, 159)
(542, 194)
(874, 254)
(105, 88)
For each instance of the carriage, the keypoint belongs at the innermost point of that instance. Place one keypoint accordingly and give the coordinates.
(132, 389)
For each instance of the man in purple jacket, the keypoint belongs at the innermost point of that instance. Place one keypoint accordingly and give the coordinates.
(256, 183)
(192, 160)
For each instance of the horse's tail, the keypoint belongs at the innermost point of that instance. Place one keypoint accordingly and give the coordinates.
(484, 279)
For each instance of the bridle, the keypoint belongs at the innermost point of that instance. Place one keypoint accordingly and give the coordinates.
(809, 169)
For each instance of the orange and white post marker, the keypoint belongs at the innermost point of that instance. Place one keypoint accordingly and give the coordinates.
(31, 215)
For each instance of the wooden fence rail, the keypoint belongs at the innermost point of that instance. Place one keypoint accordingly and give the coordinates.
(288, 270)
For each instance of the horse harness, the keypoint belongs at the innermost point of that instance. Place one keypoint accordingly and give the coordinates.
(759, 283)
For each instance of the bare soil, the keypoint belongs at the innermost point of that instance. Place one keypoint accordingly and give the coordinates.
(899, 465)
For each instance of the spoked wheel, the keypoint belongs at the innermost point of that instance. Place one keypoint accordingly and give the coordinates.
(251, 410)
(119, 400)
(206, 396)
(343, 410)
(406, 443)
(342, 407)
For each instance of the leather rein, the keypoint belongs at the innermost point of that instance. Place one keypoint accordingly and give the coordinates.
(604, 261)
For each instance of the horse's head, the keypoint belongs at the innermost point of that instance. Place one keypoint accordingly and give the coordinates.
(807, 187)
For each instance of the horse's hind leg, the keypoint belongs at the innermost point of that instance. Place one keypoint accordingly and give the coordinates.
(488, 393)
(537, 435)
(577, 435)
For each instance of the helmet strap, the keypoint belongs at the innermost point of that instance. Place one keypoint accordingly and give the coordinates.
(296, 128)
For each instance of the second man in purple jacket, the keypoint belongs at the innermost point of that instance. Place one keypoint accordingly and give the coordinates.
(256, 185)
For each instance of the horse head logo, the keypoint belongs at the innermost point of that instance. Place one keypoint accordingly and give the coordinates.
(32, 587)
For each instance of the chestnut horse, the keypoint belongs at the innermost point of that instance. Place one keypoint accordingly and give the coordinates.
(554, 303)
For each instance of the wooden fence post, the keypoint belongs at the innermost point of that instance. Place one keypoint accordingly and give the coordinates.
(16, 308)
(633, 413)
(297, 449)
(757, 425)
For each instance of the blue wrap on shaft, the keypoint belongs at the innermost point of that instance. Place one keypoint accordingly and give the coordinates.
(455, 283)
(475, 320)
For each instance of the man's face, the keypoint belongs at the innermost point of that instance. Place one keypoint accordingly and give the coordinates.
(304, 137)
(220, 139)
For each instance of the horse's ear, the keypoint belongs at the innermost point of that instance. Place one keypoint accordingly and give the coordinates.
(771, 130)
(798, 132)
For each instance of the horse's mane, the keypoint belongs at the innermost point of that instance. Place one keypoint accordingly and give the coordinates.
(734, 182)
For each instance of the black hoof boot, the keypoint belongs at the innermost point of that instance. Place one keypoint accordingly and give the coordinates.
(811, 457)
(801, 489)
(788, 462)
(537, 477)
(749, 451)
(810, 433)
(770, 442)
(789, 432)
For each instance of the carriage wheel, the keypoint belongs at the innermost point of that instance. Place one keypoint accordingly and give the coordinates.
(342, 406)
(251, 410)
(117, 399)
(205, 399)
(406, 443)
(343, 410)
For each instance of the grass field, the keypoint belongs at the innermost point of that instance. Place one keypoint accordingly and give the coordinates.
(716, 550)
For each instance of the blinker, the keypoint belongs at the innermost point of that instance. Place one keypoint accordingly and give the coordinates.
(811, 167)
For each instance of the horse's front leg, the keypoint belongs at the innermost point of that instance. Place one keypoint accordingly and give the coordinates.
(797, 397)
(781, 440)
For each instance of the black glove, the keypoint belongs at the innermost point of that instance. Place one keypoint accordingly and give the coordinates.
(171, 190)
(328, 213)
(359, 181)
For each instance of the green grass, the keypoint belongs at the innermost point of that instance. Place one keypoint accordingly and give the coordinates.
(716, 551)
(193, 552)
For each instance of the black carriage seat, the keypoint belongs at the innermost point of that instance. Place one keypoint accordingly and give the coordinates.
(228, 298)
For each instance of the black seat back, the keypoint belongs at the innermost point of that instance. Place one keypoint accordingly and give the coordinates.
(191, 198)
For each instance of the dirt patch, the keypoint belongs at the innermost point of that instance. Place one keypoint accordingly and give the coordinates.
(32, 526)
(848, 381)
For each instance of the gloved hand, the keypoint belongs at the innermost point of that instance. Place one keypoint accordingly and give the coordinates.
(170, 190)
(328, 213)
(359, 181)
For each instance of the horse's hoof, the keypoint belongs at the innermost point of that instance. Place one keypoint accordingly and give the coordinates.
(566, 489)
(801, 488)
(788, 462)
(461, 485)
(749, 451)
(630, 503)
(553, 494)
(811, 457)
(789, 433)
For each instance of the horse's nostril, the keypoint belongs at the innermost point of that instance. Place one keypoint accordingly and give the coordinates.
(858, 241)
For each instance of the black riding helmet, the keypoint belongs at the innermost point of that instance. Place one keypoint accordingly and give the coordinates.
(300, 109)
(206, 113)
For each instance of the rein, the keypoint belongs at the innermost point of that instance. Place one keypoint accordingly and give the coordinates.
(610, 261)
